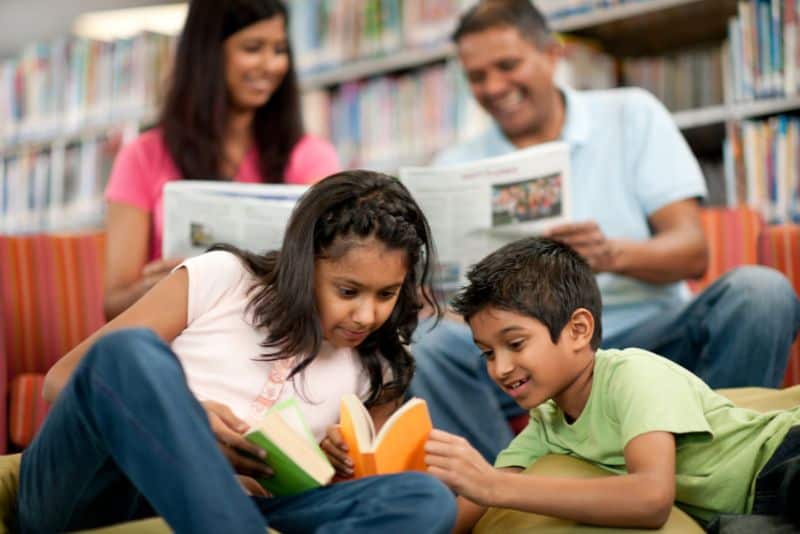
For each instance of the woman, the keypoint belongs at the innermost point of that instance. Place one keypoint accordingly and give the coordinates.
(232, 112)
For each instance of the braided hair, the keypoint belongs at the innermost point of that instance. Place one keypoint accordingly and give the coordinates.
(330, 218)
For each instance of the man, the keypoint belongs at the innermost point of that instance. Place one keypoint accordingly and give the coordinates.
(635, 188)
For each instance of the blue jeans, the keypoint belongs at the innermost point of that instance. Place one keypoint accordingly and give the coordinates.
(738, 332)
(126, 439)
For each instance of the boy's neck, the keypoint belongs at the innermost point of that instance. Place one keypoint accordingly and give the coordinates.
(572, 399)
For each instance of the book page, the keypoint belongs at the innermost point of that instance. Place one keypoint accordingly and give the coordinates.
(475, 208)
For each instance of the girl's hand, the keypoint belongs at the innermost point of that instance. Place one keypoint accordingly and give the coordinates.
(252, 487)
(229, 430)
(335, 449)
(455, 462)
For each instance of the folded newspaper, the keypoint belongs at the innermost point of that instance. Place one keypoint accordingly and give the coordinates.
(200, 213)
(475, 208)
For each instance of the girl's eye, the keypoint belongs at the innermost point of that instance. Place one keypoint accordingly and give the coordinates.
(388, 295)
(487, 355)
(347, 292)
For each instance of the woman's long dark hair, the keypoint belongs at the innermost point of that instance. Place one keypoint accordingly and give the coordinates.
(196, 107)
(344, 208)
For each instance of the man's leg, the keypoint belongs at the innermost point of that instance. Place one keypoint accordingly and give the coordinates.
(451, 377)
(737, 332)
(124, 434)
(407, 502)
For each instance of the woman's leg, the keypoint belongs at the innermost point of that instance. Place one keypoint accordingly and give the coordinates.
(406, 502)
(126, 434)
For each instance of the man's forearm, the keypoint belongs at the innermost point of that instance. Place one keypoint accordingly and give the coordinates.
(663, 259)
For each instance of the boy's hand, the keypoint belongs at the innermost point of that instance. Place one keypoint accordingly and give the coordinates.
(455, 462)
(229, 430)
(335, 449)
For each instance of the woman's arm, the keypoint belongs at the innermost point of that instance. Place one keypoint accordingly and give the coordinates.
(128, 276)
(641, 498)
(163, 309)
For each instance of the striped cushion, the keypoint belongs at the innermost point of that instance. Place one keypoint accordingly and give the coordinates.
(779, 247)
(27, 408)
(732, 235)
(50, 300)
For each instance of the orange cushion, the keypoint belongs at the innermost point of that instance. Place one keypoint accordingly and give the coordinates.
(27, 408)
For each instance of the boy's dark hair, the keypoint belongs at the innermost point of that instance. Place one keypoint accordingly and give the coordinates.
(196, 107)
(537, 277)
(333, 216)
(519, 14)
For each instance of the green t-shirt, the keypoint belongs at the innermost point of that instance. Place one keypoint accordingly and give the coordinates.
(720, 448)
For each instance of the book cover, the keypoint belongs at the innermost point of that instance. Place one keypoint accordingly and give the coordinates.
(297, 461)
(397, 447)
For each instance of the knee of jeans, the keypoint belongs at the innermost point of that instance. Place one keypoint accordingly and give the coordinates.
(435, 500)
(126, 351)
(763, 288)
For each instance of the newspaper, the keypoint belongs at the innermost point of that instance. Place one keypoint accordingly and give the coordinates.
(199, 213)
(475, 208)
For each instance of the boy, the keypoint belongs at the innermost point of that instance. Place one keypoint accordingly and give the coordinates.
(534, 310)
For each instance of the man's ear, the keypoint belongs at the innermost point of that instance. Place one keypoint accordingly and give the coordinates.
(581, 327)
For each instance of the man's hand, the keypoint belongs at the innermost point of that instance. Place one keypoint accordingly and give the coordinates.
(335, 449)
(455, 462)
(589, 241)
(229, 430)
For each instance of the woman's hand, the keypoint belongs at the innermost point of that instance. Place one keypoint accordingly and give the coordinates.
(335, 449)
(229, 430)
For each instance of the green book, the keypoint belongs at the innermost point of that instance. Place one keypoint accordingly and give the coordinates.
(292, 453)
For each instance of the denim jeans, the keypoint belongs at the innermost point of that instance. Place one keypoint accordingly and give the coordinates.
(737, 332)
(776, 502)
(126, 439)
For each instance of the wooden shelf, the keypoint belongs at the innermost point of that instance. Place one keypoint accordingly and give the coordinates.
(405, 59)
(697, 118)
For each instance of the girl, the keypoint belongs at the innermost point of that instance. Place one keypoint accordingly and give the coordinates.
(232, 112)
(150, 407)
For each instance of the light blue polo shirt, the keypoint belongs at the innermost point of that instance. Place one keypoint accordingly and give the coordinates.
(628, 160)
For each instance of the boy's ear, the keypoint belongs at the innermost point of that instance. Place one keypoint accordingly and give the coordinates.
(581, 327)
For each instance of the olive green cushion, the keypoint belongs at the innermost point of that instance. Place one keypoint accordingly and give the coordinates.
(494, 521)
(509, 521)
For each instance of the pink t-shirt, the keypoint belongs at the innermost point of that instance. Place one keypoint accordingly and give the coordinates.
(143, 167)
(220, 348)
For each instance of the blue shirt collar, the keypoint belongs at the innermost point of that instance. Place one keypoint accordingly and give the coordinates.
(577, 121)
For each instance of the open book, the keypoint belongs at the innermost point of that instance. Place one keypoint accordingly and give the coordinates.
(475, 208)
(399, 446)
(200, 213)
(292, 452)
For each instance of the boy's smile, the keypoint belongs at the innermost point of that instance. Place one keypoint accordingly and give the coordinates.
(522, 358)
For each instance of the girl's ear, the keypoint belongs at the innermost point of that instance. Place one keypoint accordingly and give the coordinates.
(581, 328)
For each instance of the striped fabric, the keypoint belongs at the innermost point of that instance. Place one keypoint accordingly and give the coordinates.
(779, 247)
(51, 299)
(732, 235)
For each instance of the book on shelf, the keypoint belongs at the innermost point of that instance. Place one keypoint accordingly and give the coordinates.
(200, 213)
(476, 208)
(398, 446)
(297, 462)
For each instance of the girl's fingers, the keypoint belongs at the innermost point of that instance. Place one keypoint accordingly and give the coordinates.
(252, 487)
(244, 465)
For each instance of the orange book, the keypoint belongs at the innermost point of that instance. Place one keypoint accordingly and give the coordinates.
(398, 446)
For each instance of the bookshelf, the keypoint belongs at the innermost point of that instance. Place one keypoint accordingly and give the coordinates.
(395, 72)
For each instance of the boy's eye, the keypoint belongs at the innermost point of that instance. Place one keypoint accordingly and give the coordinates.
(516, 344)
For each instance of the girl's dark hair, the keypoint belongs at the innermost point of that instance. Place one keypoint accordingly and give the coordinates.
(195, 110)
(535, 277)
(330, 218)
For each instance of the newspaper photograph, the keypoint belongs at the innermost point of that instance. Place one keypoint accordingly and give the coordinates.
(475, 208)
(200, 213)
